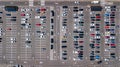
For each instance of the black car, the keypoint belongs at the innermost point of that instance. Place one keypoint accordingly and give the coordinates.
(75, 7)
(81, 47)
(80, 9)
(76, 36)
(52, 40)
(64, 24)
(92, 58)
(98, 20)
(65, 7)
(64, 53)
(92, 45)
(52, 21)
(99, 62)
(64, 58)
(51, 46)
(64, 41)
(97, 14)
(81, 15)
(81, 35)
(28, 41)
(92, 53)
(13, 19)
(52, 13)
(64, 46)
(97, 51)
(75, 10)
(52, 33)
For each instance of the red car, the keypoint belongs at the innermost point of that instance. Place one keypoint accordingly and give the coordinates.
(81, 41)
(22, 14)
(92, 34)
(98, 17)
(112, 44)
(38, 24)
(96, 44)
(42, 9)
(107, 36)
(107, 27)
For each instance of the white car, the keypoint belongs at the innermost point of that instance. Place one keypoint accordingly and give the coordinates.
(27, 34)
(106, 19)
(42, 27)
(27, 39)
(41, 36)
(107, 33)
(92, 24)
(22, 22)
(28, 45)
(23, 19)
(12, 38)
(107, 49)
(97, 32)
(27, 25)
(75, 20)
(106, 59)
(25, 9)
(91, 29)
(106, 41)
(27, 16)
(80, 12)
(97, 36)
(95, 2)
(64, 27)
(37, 17)
(75, 14)
(1, 32)
(112, 37)
(75, 27)
(107, 7)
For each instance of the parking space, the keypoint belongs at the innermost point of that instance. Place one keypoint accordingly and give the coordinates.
(110, 34)
(41, 25)
(10, 35)
(63, 32)
(1, 33)
(78, 33)
(25, 34)
(68, 35)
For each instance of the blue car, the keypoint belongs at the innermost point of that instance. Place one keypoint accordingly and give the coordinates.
(107, 14)
(8, 14)
(97, 57)
(112, 41)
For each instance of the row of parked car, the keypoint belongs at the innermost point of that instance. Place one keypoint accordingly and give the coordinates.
(64, 32)
(40, 31)
(78, 19)
(110, 33)
(26, 25)
(1, 22)
(52, 13)
(41, 24)
(1, 29)
(95, 36)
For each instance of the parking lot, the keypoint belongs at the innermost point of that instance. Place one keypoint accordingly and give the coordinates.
(60, 35)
